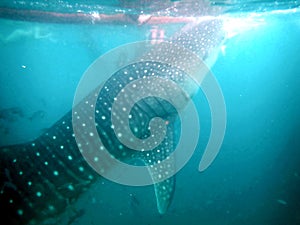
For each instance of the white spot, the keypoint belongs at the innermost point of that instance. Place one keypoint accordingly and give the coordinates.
(20, 212)
(39, 194)
(55, 173)
(61, 147)
(70, 157)
(282, 202)
(70, 187)
(29, 183)
(54, 137)
(91, 134)
(81, 169)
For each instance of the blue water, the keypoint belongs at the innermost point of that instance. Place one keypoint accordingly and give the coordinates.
(255, 178)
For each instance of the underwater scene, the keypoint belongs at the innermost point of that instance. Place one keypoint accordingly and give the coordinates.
(143, 112)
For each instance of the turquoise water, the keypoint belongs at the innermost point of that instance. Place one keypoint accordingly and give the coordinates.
(255, 178)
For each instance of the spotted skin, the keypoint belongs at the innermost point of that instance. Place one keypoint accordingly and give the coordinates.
(41, 178)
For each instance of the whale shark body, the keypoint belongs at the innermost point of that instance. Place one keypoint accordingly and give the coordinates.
(41, 178)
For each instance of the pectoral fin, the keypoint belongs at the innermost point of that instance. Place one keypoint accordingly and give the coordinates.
(164, 193)
(161, 165)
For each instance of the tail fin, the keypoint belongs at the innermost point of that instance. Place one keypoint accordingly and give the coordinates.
(38, 180)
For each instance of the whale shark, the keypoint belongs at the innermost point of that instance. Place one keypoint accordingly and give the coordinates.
(39, 179)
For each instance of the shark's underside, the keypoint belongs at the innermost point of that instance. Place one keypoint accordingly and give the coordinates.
(41, 178)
